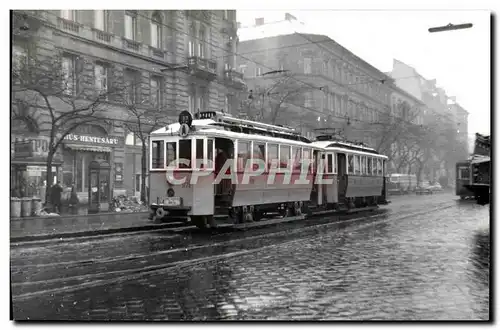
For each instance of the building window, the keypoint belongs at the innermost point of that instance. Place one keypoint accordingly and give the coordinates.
(69, 75)
(156, 30)
(19, 57)
(70, 15)
(101, 20)
(156, 99)
(101, 78)
(201, 43)
(201, 103)
(243, 68)
(226, 104)
(131, 86)
(307, 65)
(191, 102)
(325, 69)
(308, 102)
(225, 14)
(192, 34)
(133, 140)
(130, 26)
(258, 71)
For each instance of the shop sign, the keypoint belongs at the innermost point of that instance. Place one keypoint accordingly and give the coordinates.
(34, 147)
(37, 170)
(118, 171)
(111, 141)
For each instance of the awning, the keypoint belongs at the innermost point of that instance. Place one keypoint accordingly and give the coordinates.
(81, 147)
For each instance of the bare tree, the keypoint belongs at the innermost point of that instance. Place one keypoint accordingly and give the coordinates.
(276, 96)
(142, 120)
(58, 87)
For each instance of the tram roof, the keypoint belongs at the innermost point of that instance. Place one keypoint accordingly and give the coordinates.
(210, 127)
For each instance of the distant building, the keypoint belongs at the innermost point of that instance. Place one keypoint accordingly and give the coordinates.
(341, 90)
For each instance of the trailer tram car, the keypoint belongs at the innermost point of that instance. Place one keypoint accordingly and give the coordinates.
(217, 138)
(357, 173)
(463, 179)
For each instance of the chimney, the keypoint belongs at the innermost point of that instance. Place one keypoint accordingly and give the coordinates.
(289, 17)
(259, 21)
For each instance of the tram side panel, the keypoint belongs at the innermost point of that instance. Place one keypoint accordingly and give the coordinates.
(183, 195)
(364, 186)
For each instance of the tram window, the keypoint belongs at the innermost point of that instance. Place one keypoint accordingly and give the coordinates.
(384, 169)
(199, 161)
(464, 173)
(296, 158)
(284, 156)
(379, 167)
(369, 166)
(185, 160)
(259, 151)
(171, 154)
(329, 163)
(350, 169)
(363, 164)
(243, 155)
(272, 155)
(357, 168)
(157, 154)
(306, 154)
(210, 153)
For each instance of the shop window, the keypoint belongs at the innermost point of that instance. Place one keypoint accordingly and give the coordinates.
(157, 154)
(244, 155)
(185, 153)
(171, 154)
(284, 156)
(272, 155)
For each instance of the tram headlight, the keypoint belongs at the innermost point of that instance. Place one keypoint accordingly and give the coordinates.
(170, 192)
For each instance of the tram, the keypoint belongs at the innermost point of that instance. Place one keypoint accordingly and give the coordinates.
(463, 179)
(214, 169)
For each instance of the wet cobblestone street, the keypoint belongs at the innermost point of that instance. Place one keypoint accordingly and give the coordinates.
(416, 268)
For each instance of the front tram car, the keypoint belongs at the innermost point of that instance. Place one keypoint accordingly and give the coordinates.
(215, 149)
(357, 173)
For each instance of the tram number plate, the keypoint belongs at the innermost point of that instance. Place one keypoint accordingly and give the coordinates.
(172, 201)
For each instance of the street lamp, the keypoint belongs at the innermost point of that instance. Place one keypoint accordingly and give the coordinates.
(450, 27)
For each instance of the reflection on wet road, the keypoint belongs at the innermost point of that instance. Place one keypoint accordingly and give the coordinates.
(420, 267)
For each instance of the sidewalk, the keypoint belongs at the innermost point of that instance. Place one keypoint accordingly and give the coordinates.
(28, 229)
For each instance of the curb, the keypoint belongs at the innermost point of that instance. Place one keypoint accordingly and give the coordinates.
(89, 233)
(79, 215)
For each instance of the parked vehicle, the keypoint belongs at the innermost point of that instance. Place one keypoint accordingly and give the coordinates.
(424, 188)
(402, 183)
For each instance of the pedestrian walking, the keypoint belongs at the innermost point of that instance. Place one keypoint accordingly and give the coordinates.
(55, 196)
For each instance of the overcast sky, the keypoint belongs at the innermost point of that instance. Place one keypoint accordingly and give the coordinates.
(459, 60)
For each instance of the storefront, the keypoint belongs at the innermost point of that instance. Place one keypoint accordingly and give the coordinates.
(86, 144)
(29, 166)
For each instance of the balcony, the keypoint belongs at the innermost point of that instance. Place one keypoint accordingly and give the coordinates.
(202, 68)
(68, 25)
(102, 35)
(234, 79)
(131, 44)
(156, 52)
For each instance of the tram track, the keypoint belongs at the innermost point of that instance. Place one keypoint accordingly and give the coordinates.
(196, 255)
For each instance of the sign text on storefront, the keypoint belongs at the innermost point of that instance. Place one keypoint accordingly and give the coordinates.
(92, 139)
